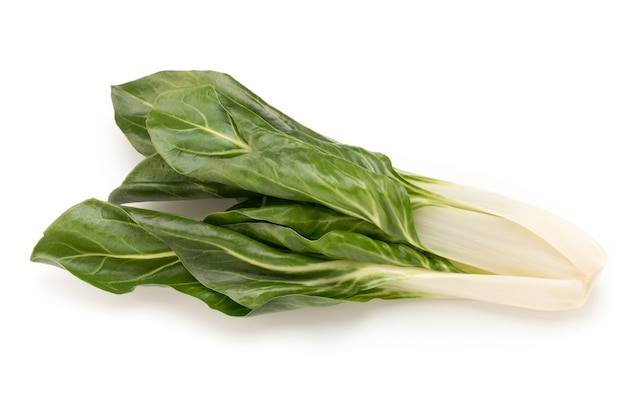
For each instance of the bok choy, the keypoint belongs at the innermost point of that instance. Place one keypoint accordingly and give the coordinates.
(316, 222)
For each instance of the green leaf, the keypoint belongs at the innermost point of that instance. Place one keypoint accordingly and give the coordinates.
(252, 273)
(118, 248)
(100, 244)
(153, 180)
(314, 230)
(310, 220)
(272, 164)
(133, 101)
(250, 113)
(202, 126)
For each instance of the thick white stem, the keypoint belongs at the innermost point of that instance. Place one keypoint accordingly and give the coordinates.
(519, 291)
(564, 237)
(489, 243)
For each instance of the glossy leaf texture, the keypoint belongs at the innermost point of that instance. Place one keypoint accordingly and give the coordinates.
(100, 244)
(253, 273)
(252, 114)
(316, 230)
(197, 137)
(133, 101)
(317, 222)
(311, 220)
(154, 180)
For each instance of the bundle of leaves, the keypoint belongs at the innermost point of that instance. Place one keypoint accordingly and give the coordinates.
(315, 222)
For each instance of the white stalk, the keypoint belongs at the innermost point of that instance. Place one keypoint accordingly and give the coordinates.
(518, 291)
(489, 243)
(521, 255)
(573, 243)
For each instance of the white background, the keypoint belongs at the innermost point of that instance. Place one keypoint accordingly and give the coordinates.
(526, 98)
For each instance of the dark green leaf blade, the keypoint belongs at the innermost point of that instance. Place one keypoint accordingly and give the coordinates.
(154, 180)
(250, 116)
(100, 244)
(133, 101)
(310, 220)
(202, 126)
(301, 174)
(275, 165)
(314, 229)
(253, 274)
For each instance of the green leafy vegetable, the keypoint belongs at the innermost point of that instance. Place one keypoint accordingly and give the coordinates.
(200, 139)
(313, 229)
(100, 244)
(154, 180)
(316, 223)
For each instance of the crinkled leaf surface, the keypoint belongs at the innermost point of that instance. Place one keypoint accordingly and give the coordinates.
(252, 115)
(317, 230)
(310, 220)
(269, 163)
(252, 273)
(133, 101)
(153, 180)
(118, 248)
(100, 244)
